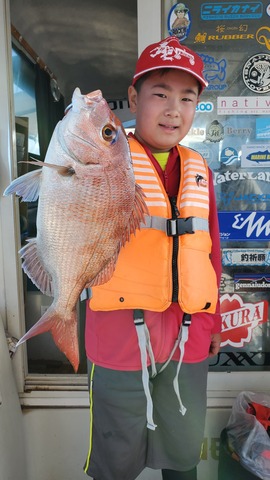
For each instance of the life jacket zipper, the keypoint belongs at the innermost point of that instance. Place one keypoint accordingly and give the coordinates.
(175, 239)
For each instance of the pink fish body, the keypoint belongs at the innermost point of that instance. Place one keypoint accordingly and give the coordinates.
(89, 205)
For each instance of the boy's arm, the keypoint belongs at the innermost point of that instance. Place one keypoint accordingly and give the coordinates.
(215, 344)
(215, 257)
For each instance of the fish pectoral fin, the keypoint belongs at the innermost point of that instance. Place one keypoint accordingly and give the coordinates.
(105, 274)
(63, 330)
(27, 186)
(65, 171)
(34, 268)
(138, 214)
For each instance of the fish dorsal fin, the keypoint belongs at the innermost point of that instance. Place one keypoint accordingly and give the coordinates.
(34, 269)
(105, 274)
(26, 186)
(137, 215)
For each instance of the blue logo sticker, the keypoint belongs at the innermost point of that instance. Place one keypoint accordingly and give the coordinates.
(225, 199)
(214, 72)
(259, 156)
(263, 128)
(255, 155)
(204, 107)
(231, 10)
(229, 155)
(243, 226)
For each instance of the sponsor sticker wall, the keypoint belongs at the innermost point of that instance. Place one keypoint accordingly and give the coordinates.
(232, 131)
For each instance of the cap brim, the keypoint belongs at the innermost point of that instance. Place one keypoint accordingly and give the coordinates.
(200, 79)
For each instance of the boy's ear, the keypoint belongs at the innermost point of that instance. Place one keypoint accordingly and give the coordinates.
(132, 98)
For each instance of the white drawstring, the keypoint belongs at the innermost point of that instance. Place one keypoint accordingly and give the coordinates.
(146, 347)
(176, 344)
(183, 339)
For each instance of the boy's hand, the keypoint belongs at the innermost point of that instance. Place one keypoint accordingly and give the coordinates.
(215, 344)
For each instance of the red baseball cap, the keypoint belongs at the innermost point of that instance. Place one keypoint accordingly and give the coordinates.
(169, 53)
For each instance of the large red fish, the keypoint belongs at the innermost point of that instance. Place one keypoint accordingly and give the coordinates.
(89, 205)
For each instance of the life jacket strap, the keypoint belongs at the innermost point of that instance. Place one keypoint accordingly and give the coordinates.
(186, 319)
(86, 294)
(176, 226)
(145, 347)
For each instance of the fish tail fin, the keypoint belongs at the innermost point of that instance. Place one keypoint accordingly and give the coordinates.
(64, 333)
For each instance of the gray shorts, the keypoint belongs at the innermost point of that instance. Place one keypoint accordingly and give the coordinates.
(121, 445)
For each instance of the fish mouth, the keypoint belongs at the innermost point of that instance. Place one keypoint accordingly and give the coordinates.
(93, 97)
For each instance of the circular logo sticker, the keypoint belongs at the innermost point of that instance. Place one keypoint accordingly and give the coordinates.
(214, 132)
(256, 73)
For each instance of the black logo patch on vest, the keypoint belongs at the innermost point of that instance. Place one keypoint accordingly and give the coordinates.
(200, 180)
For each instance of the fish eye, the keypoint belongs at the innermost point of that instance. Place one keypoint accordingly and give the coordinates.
(108, 133)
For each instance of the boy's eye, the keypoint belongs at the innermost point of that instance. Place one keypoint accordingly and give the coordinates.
(161, 95)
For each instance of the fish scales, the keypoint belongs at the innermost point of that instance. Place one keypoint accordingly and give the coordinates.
(89, 205)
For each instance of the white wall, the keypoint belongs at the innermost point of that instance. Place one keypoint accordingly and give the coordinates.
(57, 444)
(12, 452)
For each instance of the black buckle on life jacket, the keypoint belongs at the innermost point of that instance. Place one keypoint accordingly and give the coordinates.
(179, 226)
(186, 319)
(138, 316)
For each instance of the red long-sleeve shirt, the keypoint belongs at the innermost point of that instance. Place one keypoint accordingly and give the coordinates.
(110, 337)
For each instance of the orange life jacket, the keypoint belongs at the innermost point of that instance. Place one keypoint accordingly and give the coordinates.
(143, 277)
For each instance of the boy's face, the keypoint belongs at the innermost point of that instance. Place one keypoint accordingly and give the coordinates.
(165, 107)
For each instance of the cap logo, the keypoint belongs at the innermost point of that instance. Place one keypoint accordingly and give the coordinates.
(167, 52)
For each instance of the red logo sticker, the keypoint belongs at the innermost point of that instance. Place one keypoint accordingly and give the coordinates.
(239, 319)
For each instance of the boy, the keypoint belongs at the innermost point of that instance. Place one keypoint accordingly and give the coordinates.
(151, 328)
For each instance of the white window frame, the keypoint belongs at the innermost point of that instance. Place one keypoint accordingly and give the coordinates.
(35, 390)
(11, 296)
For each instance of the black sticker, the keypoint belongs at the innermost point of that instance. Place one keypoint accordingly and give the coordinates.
(256, 73)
